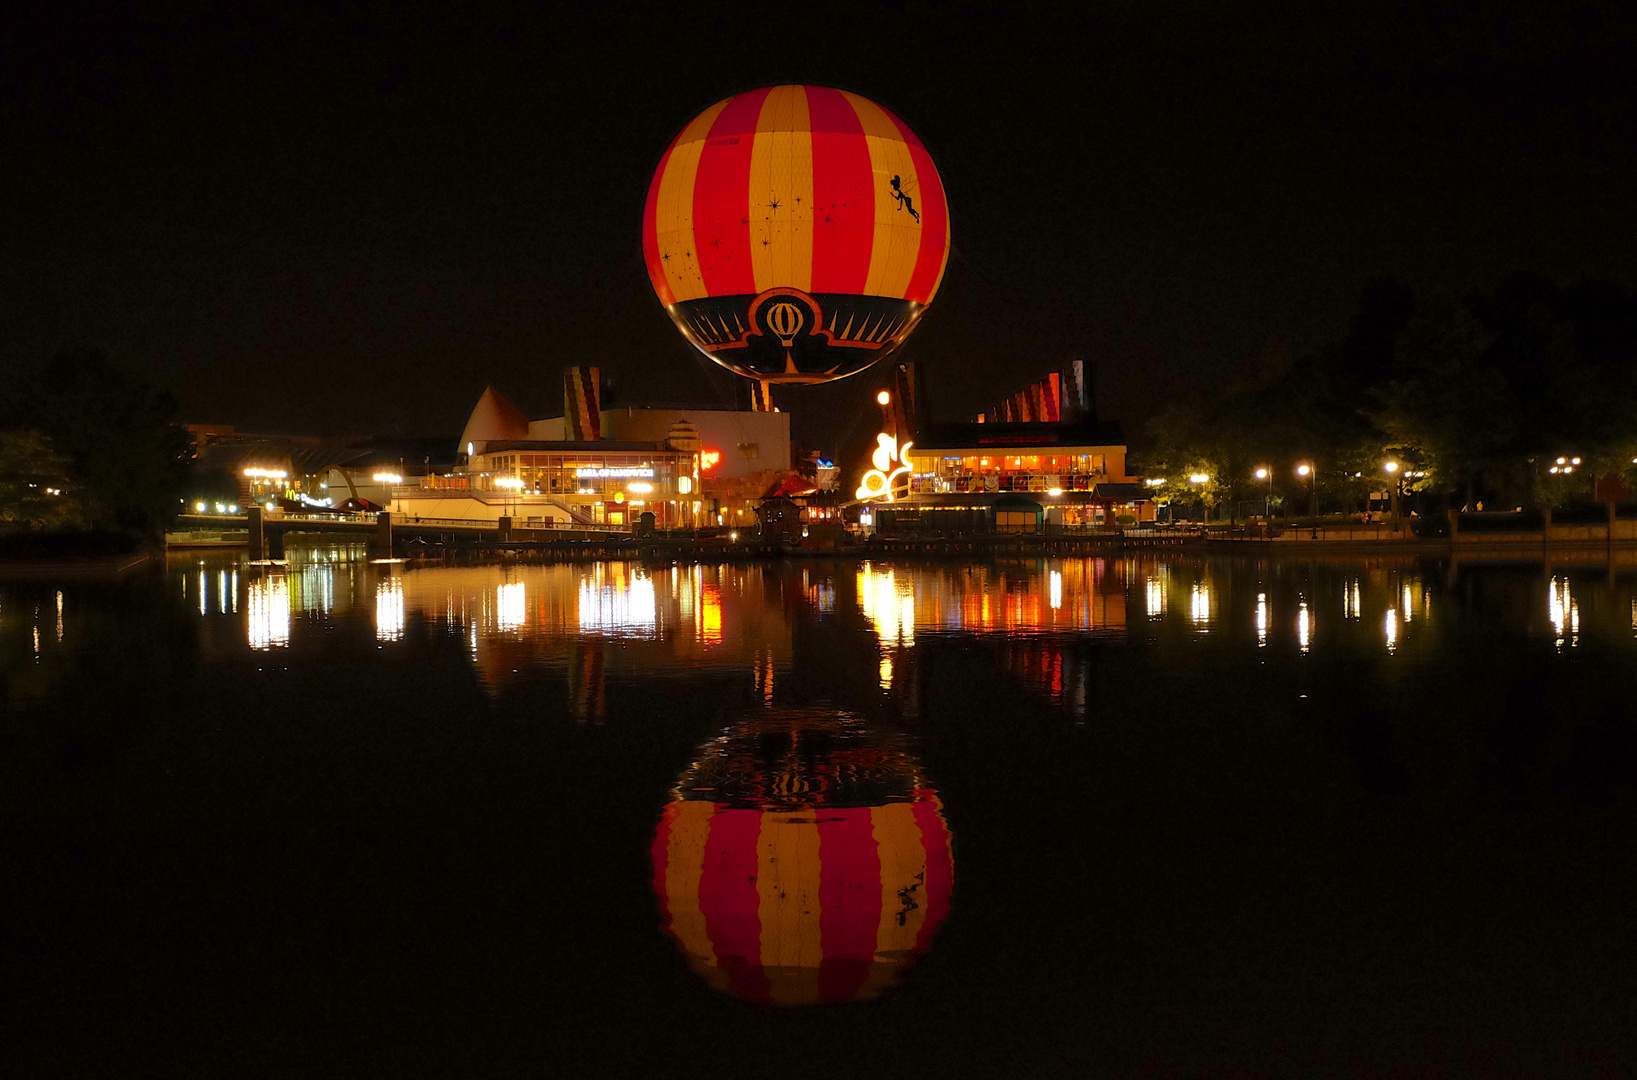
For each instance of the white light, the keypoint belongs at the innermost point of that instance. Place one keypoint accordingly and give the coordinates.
(1391, 466)
(470, 450)
(388, 478)
(883, 397)
(1303, 470)
(734, 537)
(645, 472)
(1261, 474)
(1054, 492)
(199, 507)
(1562, 461)
(233, 508)
(1155, 482)
(1199, 478)
(639, 488)
(270, 474)
(684, 485)
(221, 508)
(508, 482)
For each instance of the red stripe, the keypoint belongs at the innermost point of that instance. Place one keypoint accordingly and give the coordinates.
(728, 897)
(661, 852)
(909, 136)
(650, 234)
(849, 900)
(843, 194)
(929, 261)
(940, 872)
(721, 198)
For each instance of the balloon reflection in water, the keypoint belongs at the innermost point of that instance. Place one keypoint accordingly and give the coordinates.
(802, 859)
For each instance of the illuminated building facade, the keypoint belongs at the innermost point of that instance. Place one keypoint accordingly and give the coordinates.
(1045, 443)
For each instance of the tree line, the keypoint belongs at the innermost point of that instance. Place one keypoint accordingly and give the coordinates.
(1475, 398)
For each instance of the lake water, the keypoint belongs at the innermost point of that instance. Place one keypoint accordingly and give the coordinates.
(1156, 815)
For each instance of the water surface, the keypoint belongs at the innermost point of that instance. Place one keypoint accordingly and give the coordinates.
(1154, 815)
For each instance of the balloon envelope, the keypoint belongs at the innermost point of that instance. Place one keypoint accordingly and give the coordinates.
(796, 233)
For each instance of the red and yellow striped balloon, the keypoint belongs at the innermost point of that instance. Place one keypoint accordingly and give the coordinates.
(796, 233)
(802, 859)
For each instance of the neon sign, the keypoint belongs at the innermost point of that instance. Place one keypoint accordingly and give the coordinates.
(628, 473)
(708, 459)
(879, 481)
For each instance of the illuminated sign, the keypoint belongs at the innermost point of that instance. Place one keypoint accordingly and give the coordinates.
(878, 482)
(270, 474)
(643, 472)
(708, 459)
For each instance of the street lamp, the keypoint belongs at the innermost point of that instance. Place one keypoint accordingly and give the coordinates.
(1265, 473)
(1398, 483)
(1312, 476)
(1204, 510)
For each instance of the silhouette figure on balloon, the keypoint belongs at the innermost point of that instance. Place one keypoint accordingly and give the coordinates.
(904, 201)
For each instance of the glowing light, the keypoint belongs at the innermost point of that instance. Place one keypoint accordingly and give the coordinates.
(618, 601)
(1303, 470)
(1564, 612)
(710, 614)
(1199, 604)
(1199, 478)
(267, 622)
(1261, 474)
(1392, 629)
(511, 606)
(1391, 466)
(389, 610)
(889, 604)
(624, 472)
(882, 398)
(1154, 597)
(1261, 620)
(1056, 589)
(1054, 492)
(639, 488)
(388, 478)
(1157, 481)
(878, 482)
(684, 485)
(267, 474)
(508, 482)
(709, 459)
(1304, 629)
(199, 507)
(1350, 600)
(733, 536)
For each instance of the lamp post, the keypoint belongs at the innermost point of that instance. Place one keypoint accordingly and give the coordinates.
(1307, 470)
(1398, 482)
(1204, 509)
(1265, 473)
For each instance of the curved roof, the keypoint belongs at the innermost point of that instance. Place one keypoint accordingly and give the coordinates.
(493, 419)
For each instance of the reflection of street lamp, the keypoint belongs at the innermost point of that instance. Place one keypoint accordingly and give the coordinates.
(1265, 473)
(1204, 509)
(1312, 476)
(1398, 483)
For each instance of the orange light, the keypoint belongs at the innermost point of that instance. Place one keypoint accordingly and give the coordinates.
(708, 459)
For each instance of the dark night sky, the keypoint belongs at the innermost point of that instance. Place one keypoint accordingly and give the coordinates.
(353, 218)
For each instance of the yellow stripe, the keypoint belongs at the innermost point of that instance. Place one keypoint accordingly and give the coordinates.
(781, 193)
(787, 877)
(897, 234)
(684, 867)
(903, 873)
(673, 211)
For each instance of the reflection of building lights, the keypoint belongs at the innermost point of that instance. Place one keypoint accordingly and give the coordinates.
(1056, 589)
(1392, 629)
(389, 610)
(1350, 600)
(886, 670)
(267, 622)
(1304, 628)
(1409, 605)
(1564, 611)
(1261, 619)
(617, 601)
(1154, 596)
(710, 614)
(511, 607)
(1200, 604)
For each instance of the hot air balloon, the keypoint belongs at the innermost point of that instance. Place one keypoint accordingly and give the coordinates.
(802, 860)
(795, 234)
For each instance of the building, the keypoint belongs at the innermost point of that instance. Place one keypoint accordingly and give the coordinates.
(688, 466)
(1045, 441)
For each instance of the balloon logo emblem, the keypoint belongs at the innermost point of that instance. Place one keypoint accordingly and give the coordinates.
(785, 319)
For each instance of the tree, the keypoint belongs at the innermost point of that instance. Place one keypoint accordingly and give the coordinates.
(37, 491)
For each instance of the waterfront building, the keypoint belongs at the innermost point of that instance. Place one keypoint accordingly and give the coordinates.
(1043, 447)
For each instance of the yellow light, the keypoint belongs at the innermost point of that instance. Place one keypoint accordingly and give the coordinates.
(882, 398)
(508, 482)
(1261, 474)
(1054, 492)
(1303, 470)
(1199, 478)
(270, 474)
(199, 507)
(1391, 466)
(684, 485)
(388, 478)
